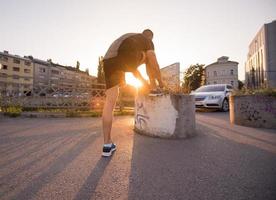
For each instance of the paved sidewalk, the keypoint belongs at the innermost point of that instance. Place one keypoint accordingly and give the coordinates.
(61, 159)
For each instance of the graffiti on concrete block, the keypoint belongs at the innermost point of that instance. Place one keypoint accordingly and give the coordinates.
(141, 117)
(250, 113)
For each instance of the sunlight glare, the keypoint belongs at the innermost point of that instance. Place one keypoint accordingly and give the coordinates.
(131, 80)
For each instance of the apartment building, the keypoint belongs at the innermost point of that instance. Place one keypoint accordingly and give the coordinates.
(49, 74)
(16, 74)
(70, 77)
(19, 75)
(260, 67)
(223, 71)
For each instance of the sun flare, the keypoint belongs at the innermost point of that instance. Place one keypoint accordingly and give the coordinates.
(131, 80)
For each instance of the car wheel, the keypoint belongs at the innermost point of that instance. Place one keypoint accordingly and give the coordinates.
(225, 106)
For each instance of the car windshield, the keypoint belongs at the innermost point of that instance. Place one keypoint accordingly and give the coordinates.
(211, 88)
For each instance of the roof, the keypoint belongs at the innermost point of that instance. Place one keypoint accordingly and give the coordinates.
(14, 56)
(221, 61)
(43, 62)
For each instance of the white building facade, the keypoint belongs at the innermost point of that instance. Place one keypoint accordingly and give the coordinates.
(260, 67)
(223, 71)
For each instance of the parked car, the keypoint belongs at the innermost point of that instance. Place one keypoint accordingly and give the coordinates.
(213, 96)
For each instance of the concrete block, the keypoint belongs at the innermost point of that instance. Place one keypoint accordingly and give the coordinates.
(253, 110)
(166, 116)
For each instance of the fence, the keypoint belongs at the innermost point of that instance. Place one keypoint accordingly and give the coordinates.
(55, 97)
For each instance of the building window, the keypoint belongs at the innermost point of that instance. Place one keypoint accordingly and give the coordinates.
(42, 77)
(231, 72)
(54, 78)
(27, 71)
(3, 75)
(215, 73)
(42, 70)
(215, 82)
(17, 61)
(16, 69)
(55, 71)
(15, 77)
(4, 58)
(27, 63)
(4, 67)
(27, 79)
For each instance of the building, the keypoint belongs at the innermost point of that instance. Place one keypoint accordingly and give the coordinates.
(260, 67)
(20, 75)
(171, 77)
(41, 72)
(223, 71)
(16, 74)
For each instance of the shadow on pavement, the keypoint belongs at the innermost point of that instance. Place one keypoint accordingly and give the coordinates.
(203, 167)
(55, 168)
(88, 188)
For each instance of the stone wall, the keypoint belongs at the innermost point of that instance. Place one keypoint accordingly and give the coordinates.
(253, 110)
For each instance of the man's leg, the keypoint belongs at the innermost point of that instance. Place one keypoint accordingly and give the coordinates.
(107, 116)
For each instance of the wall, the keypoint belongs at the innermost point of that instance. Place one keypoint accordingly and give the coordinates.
(167, 116)
(253, 111)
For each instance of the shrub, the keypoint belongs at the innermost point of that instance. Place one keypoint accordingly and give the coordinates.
(13, 111)
(263, 91)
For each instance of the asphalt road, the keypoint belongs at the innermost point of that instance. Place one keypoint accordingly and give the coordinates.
(61, 159)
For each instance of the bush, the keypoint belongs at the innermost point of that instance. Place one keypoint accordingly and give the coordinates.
(12, 111)
(82, 114)
(265, 91)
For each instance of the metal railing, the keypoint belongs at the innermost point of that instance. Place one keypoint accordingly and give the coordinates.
(55, 97)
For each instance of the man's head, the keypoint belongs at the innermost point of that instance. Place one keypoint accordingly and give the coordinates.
(148, 34)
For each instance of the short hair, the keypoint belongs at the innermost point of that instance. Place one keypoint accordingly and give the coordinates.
(147, 31)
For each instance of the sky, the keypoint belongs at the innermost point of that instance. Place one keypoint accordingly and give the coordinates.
(189, 32)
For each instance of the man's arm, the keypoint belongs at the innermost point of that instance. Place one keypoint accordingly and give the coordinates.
(138, 75)
(153, 67)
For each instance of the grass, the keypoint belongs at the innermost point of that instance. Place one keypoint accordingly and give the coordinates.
(264, 92)
(12, 111)
(15, 111)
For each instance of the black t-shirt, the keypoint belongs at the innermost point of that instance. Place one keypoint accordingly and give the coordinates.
(127, 50)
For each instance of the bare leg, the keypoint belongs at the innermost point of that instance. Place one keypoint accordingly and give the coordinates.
(107, 116)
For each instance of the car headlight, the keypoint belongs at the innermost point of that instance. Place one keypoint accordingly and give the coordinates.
(214, 97)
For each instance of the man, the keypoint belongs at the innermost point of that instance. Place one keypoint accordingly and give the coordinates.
(126, 54)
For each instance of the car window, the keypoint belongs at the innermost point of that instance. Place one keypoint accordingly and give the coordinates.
(229, 87)
(211, 88)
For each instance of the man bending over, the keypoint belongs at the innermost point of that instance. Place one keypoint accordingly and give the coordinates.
(126, 54)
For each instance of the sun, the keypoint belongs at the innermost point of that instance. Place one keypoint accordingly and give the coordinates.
(131, 80)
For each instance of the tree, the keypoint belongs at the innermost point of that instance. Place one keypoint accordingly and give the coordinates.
(78, 65)
(194, 77)
(100, 74)
(240, 84)
(87, 71)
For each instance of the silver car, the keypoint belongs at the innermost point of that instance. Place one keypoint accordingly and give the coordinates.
(213, 96)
